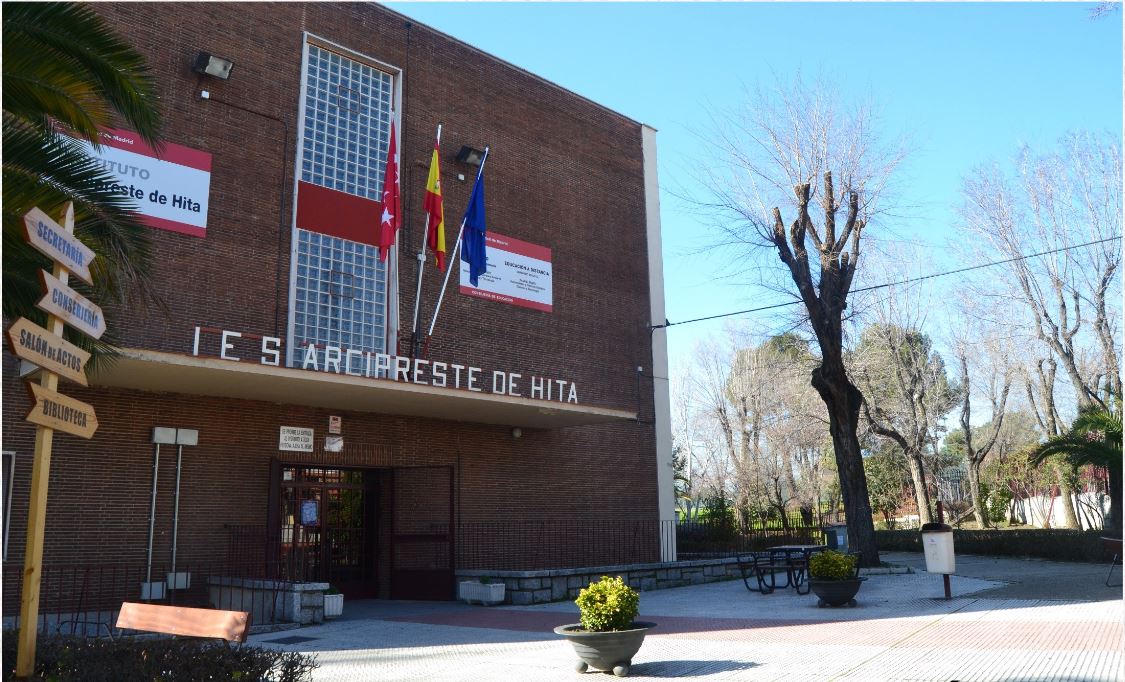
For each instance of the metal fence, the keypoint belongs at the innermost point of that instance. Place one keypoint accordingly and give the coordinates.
(257, 571)
(85, 599)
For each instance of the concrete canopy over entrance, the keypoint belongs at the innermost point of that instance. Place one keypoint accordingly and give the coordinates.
(155, 371)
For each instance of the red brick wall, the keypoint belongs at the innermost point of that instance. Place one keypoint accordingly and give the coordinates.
(564, 173)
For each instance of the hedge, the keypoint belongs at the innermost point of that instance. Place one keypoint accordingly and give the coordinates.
(1041, 543)
(133, 659)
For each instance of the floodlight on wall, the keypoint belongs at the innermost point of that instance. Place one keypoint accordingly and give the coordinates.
(210, 65)
(469, 155)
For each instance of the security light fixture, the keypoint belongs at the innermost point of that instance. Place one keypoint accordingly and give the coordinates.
(471, 156)
(210, 65)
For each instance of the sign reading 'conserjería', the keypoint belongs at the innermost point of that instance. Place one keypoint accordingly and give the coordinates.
(74, 309)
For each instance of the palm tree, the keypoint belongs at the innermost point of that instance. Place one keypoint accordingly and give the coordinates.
(64, 69)
(1093, 438)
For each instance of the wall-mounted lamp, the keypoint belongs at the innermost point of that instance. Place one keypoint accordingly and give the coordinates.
(517, 432)
(210, 65)
(471, 156)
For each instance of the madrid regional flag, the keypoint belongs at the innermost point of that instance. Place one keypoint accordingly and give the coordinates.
(391, 221)
(435, 219)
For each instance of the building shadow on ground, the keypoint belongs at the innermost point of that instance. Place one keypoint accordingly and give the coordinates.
(688, 668)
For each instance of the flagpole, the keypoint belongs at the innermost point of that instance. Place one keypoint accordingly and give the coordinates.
(456, 246)
(421, 265)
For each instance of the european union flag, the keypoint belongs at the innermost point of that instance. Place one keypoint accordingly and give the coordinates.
(473, 250)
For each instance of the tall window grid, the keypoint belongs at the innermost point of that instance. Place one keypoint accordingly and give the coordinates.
(340, 296)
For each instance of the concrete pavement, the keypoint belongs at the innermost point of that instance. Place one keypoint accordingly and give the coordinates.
(900, 630)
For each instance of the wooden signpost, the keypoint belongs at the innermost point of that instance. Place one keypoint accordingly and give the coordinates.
(51, 411)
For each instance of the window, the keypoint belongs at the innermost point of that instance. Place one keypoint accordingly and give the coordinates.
(340, 292)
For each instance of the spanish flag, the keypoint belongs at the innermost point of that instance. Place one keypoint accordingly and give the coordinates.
(435, 219)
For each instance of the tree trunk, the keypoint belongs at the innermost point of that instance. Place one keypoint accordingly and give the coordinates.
(980, 514)
(843, 401)
(921, 494)
(1114, 485)
(1066, 492)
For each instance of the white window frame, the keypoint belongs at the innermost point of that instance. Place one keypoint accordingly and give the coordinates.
(391, 311)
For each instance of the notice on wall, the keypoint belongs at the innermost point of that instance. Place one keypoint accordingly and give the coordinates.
(294, 439)
(519, 273)
(309, 510)
(171, 189)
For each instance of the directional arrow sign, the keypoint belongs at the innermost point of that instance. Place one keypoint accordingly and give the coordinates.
(72, 307)
(52, 240)
(56, 411)
(40, 347)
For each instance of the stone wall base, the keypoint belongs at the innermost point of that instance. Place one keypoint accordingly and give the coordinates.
(537, 587)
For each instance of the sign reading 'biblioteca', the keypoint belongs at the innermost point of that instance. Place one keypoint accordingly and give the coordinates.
(385, 366)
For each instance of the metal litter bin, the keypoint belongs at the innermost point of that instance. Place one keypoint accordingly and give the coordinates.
(937, 543)
(836, 537)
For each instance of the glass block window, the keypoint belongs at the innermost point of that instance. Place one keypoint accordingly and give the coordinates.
(340, 298)
(347, 124)
(340, 294)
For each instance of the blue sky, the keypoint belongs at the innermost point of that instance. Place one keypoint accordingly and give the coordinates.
(968, 82)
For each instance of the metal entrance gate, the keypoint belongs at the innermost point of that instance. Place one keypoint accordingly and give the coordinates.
(422, 533)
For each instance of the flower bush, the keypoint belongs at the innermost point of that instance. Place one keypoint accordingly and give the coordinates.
(608, 605)
(832, 565)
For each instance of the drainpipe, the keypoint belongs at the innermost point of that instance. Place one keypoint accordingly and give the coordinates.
(183, 437)
(160, 436)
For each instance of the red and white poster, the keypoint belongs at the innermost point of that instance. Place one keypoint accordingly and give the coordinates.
(519, 273)
(171, 190)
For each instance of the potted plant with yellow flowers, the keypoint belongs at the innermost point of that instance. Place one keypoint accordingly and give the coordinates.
(607, 635)
(834, 578)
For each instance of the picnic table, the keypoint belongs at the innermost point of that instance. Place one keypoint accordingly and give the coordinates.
(764, 566)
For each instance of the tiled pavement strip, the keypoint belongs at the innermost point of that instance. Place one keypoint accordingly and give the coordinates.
(719, 631)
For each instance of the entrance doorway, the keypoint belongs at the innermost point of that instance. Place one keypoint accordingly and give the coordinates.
(328, 529)
(385, 532)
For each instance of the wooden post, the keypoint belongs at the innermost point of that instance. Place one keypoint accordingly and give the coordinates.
(37, 508)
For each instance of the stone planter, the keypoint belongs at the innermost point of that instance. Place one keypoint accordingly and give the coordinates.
(835, 592)
(612, 651)
(333, 605)
(482, 593)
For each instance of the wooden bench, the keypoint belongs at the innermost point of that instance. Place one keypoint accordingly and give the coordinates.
(184, 622)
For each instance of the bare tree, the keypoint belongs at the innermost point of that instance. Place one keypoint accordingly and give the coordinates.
(1068, 202)
(789, 148)
(998, 399)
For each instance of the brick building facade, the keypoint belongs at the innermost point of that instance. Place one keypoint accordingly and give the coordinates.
(429, 478)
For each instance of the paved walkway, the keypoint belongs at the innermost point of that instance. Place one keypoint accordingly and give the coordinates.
(901, 630)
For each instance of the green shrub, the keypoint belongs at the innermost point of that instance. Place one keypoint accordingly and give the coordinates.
(832, 565)
(130, 659)
(1040, 543)
(607, 605)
